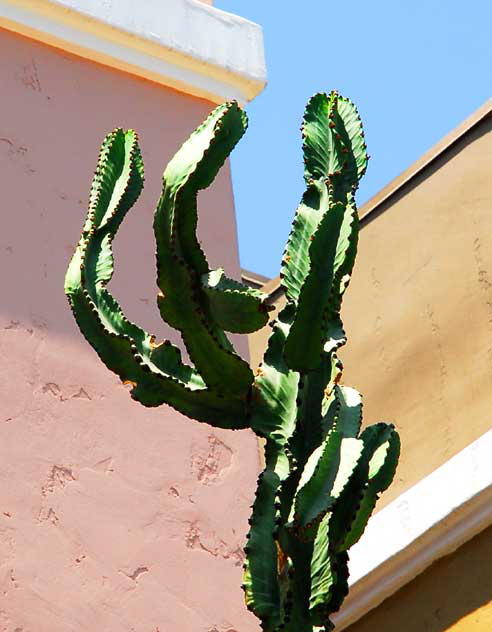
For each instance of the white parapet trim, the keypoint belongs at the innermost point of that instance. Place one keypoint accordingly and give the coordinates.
(431, 519)
(185, 44)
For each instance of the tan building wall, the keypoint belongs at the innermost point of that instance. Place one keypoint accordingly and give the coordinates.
(418, 312)
(418, 315)
(113, 517)
(453, 595)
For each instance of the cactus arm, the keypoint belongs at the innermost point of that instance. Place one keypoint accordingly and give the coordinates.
(323, 576)
(295, 261)
(316, 320)
(261, 581)
(297, 615)
(349, 417)
(332, 136)
(325, 475)
(235, 307)
(273, 415)
(318, 404)
(334, 157)
(321, 147)
(273, 399)
(179, 386)
(316, 564)
(149, 387)
(308, 433)
(375, 470)
(181, 263)
(310, 321)
(329, 563)
(157, 374)
(335, 334)
(340, 587)
(330, 465)
(382, 469)
(349, 126)
(318, 476)
(333, 140)
(117, 183)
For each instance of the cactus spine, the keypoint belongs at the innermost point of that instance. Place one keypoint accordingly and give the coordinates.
(323, 475)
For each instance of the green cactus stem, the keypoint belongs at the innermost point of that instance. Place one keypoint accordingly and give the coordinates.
(322, 475)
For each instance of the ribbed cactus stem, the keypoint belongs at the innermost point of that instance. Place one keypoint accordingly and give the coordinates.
(323, 475)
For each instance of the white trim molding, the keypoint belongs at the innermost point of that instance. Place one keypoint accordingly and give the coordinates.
(430, 520)
(184, 44)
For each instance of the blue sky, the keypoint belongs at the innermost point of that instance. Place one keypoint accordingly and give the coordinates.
(414, 69)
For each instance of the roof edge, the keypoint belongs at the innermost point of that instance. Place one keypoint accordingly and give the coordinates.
(183, 44)
(425, 161)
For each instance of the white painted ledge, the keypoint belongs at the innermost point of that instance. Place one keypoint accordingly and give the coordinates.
(185, 44)
(428, 521)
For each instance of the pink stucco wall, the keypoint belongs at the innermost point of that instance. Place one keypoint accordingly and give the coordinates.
(113, 518)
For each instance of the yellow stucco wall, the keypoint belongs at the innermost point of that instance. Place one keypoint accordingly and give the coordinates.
(453, 595)
(418, 312)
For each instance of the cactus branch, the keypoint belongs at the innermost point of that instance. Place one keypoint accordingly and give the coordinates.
(156, 374)
(182, 267)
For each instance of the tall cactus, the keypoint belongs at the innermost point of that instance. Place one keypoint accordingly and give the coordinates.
(323, 475)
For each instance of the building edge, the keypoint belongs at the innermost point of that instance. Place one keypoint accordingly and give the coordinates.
(186, 45)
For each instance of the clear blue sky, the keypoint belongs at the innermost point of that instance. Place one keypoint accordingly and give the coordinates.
(414, 69)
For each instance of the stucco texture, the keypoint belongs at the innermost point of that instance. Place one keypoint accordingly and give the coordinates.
(419, 310)
(113, 517)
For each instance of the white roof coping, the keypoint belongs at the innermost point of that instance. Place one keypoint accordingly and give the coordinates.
(185, 44)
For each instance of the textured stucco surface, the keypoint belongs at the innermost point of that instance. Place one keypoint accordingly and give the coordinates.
(418, 312)
(113, 517)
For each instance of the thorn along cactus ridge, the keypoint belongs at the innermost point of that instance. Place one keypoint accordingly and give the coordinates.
(323, 475)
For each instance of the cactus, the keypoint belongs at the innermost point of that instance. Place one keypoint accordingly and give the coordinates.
(323, 475)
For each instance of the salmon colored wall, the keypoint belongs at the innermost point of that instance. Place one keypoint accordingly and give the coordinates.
(112, 517)
(453, 595)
